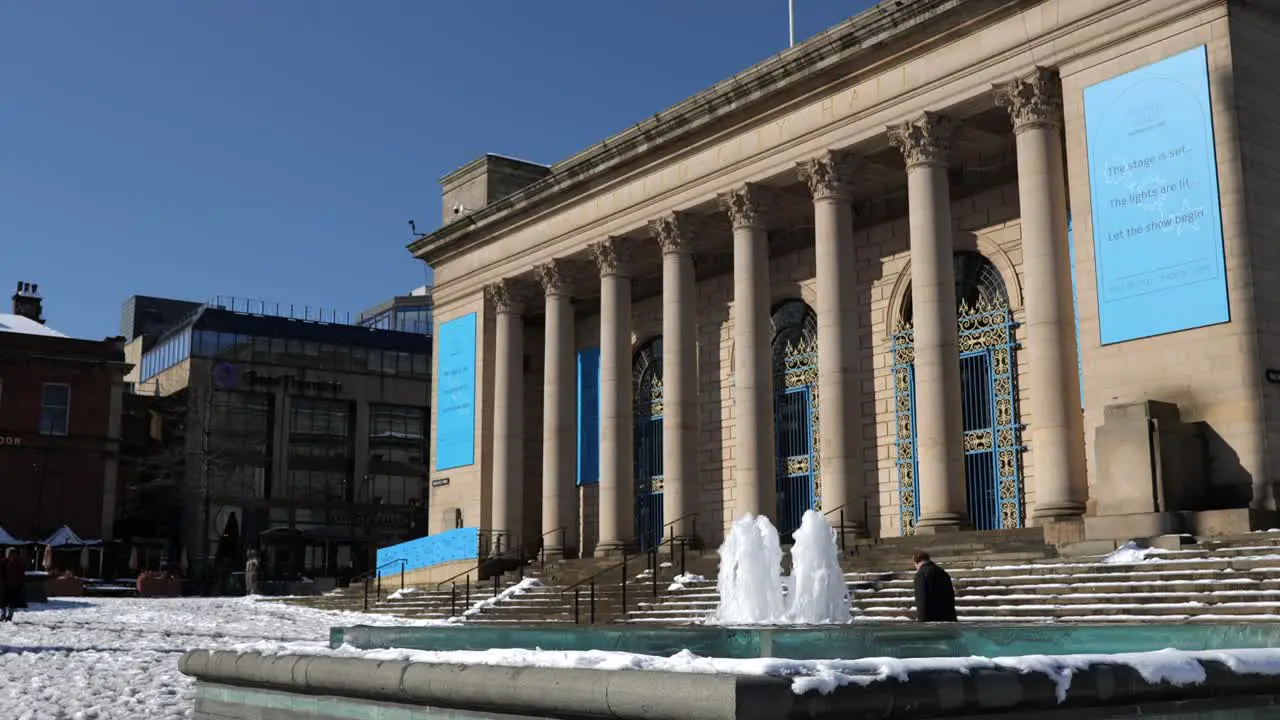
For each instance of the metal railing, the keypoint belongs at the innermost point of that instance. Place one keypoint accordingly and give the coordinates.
(490, 546)
(653, 556)
(844, 528)
(542, 545)
(376, 573)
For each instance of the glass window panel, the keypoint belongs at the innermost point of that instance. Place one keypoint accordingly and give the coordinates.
(55, 409)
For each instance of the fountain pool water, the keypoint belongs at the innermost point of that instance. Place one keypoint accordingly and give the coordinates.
(751, 585)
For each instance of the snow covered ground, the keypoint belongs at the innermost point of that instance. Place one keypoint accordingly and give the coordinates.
(117, 658)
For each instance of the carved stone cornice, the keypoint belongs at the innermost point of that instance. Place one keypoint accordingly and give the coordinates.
(829, 176)
(674, 233)
(612, 256)
(1033, 101)
(553, 275)
(746, 206)
(506, 295)
(924, 140)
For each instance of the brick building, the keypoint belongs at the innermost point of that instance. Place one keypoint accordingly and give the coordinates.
(60, 404)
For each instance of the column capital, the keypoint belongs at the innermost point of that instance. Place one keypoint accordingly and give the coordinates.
(829, 176)
(612, 256)
(1033, 100)
(745, 205)
(674, 233)
(923, 140)
(553, 275)
(507, 296)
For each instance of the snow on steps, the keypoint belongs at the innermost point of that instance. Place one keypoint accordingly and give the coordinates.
(1200, 583)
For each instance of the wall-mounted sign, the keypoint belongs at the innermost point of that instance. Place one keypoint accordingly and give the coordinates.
(256, 379)
(1273, 376)
(10, 441)
(1153, 183)
(456, 394)
(440, 482)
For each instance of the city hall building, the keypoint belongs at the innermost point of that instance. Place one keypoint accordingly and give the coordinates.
(950, 265)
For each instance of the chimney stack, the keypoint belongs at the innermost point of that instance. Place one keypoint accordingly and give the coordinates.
(28, 303)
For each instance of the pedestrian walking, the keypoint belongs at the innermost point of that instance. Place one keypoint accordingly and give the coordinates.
(251, 574)
(13, 581)
(935, 595)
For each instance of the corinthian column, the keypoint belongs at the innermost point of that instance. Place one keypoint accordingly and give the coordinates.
(925, 143)
(679, 370)
(1056, 432)
(508, 414)
(840, 409)
(754, 473)
(617, 425)
(559, 391)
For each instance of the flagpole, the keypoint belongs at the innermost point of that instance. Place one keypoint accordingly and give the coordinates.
(791, 20)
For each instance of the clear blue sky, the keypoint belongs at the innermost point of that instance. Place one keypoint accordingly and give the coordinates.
(277, 149)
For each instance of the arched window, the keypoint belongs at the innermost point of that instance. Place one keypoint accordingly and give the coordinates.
(646, 369)
(979, 286)
(795, 407)
(988, 402)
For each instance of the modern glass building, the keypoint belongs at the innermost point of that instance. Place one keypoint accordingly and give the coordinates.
(302, 438)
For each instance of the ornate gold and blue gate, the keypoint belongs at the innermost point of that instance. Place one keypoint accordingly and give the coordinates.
(992, 442)
(795, 382)
(647, 384)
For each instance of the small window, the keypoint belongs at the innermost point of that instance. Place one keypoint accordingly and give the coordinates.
(55, 408)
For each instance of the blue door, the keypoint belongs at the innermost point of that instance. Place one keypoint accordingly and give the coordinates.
(647, 376)
(977, 414)
(793, 417)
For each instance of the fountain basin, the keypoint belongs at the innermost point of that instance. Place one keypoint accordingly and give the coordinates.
(854, 640)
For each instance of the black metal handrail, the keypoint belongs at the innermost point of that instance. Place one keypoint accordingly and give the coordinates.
(484, 546)
(842, 526)
(542, 544)
(652, 554)
(377, 573)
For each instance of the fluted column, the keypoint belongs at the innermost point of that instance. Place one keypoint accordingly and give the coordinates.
(508, 414)
(679, 371)
(754, 471)
(925, 143)
(1056, 433)
(617, 424)
(559, 392)
(839, 399)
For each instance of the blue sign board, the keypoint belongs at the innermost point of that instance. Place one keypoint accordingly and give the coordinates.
(1153, 181)
(443, 547)
(456, 394)
(589, 416)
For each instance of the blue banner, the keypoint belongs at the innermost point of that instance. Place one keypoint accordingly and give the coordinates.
(589, 416)
(1153, 181)
(443, 547)
(456, 394)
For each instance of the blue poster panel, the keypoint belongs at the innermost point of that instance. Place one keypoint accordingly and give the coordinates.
(443, 547)
(589, 416)
(1153, 182)
(456, 394)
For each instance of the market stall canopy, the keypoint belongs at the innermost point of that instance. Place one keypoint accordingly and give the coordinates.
(7, 540)
(65, 537)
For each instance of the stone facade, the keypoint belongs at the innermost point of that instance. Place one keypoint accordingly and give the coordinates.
(914, 191)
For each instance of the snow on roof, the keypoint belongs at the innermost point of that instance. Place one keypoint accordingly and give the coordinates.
(25, 326)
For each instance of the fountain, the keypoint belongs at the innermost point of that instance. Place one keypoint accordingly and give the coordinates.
(751, 584)
(750, 580)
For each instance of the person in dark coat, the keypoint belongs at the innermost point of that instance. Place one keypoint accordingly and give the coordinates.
(13, 578)
(935, 595)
